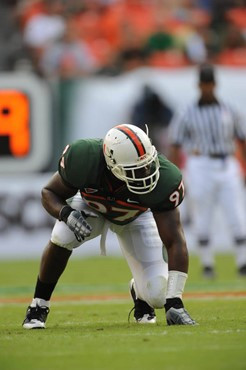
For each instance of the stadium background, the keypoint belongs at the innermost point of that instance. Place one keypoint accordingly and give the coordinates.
(83, 66)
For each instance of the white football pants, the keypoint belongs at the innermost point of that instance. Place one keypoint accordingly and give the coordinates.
(140, 244)
(211, 182)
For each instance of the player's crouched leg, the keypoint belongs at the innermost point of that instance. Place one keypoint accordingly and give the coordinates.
(155, 291)
(157, 288)
(151, 296)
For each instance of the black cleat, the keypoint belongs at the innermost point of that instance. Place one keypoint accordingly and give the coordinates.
(176, 314)
(208, 272)
(242, 271)
(143, 313)
(179, 316)
(36, 317)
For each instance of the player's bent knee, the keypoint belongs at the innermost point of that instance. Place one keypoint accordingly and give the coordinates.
(63, 237)
(58, 243)
(156, 289)
(68, 247)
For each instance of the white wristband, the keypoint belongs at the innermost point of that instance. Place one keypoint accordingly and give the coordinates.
(176, 283)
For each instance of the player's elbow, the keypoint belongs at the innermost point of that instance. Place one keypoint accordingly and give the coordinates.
(44, 194)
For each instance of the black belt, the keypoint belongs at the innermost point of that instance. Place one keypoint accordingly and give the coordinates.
(212, 155)
(218, 156)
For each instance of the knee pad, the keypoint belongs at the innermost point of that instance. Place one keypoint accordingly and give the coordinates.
(69, 245)
(156, 289)
(63, 237)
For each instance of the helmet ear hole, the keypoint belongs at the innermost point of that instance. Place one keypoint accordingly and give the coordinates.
(132, 158)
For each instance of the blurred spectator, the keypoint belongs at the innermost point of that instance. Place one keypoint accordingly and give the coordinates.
(12, 48)
(153, 111)
(192, 31)
(195, 47)
(26, 9)
(175, 34)
(131, 58)
(219, 17)
(161, 45)
(237, 16)
(234, 38)
(69, 57)
(161, 40)
(234, 50)
(205, 4)
(44, 28)
(129, 55)
(139, 14)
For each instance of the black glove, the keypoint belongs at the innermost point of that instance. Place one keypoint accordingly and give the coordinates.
(176, 314)
(76, 221)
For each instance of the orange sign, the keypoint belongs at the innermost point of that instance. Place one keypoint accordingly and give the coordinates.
(14, 121)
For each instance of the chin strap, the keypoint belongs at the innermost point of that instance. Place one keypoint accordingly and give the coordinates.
(147, 129)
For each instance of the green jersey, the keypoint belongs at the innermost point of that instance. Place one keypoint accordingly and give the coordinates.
(83, 167)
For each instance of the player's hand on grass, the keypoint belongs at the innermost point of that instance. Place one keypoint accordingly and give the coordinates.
(76, 221)
(176, 314)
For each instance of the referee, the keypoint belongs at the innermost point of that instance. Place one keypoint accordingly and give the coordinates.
(207, 131)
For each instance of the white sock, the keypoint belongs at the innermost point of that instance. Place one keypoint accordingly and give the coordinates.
(176, 284)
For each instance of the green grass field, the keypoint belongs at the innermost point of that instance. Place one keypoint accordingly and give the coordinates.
(88, 328)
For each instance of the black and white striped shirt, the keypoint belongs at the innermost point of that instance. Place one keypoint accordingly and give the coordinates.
(209, 129)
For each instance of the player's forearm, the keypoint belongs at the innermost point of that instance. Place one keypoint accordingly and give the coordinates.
(55, 194)
(52, 202)
(172, 236)
(178, 259)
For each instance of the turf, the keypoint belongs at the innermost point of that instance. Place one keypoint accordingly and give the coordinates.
(88, 328)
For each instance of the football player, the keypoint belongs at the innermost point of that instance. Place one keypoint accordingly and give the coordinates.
(119, 183)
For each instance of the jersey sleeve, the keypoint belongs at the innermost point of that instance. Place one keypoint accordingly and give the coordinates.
(64, 166)
(174, 199)
(169, 192)
(80, 163)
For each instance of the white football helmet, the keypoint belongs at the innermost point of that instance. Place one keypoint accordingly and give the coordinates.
(132, 158)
